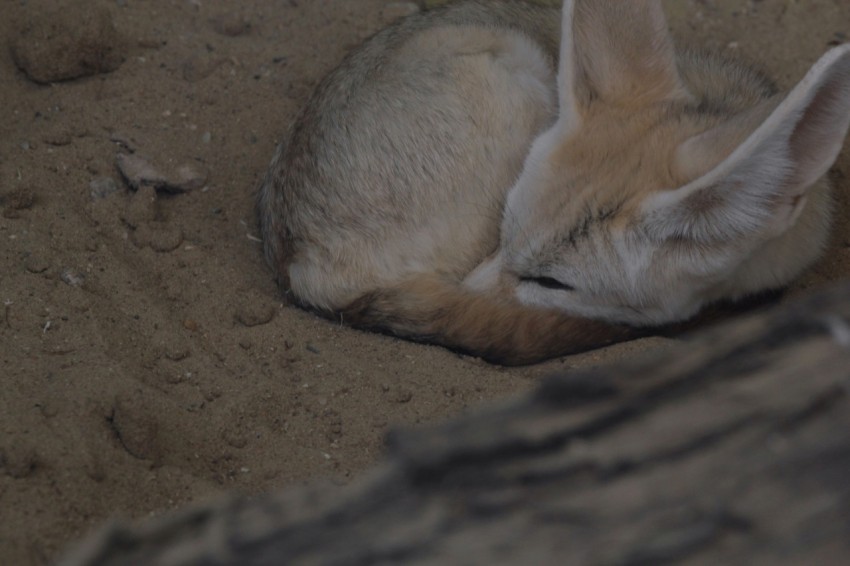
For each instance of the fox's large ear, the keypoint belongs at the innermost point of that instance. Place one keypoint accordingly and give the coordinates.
(753, 173)
(619, 51)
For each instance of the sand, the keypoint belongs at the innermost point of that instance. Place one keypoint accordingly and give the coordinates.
(146, 358)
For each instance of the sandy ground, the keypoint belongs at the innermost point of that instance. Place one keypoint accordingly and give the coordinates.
(146, 360)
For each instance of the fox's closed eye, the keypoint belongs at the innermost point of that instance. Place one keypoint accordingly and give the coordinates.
(548, 283)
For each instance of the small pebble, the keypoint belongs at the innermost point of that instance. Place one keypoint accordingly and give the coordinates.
(159, 236)
(18, 199)
(167, 239)
(134, 422)
(138, 171)
(72, 277)
(72, 39)
(189, 177)
(142, 207)
(254, 311)
(57, 139)
(36, 264)
(123, 141)
(235, 438)
(231, 24)
(212, 393)
(102, 187)
(18, 459)
(176, 352)
(175, 378)
(200, 67)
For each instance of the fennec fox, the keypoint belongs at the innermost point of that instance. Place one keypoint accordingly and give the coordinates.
(518, 185)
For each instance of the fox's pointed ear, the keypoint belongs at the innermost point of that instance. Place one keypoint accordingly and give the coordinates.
(619, 51)
(753, 173)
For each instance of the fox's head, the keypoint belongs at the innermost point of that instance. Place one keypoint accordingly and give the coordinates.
(665, 184)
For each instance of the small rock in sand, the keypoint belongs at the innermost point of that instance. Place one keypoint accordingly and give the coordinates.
(199, 67)
(102, 187)
(254, 310)
(134, 424)
(142, 207)
(57, 139)
(123, 141)
(189, 177)
(159, 236)
(66, 41)
(18, 459)
(72, 277)
(22, 198)
(36, 264)
(231, 24)
(139, 172)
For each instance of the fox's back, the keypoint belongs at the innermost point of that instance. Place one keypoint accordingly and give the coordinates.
(400, 161)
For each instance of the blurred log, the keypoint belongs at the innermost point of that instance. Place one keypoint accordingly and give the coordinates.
(733, 448)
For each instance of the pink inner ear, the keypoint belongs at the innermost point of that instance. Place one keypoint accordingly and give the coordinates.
(786, 215)
(817, 138)
(776, 152)
(701, 154)
(622, 53)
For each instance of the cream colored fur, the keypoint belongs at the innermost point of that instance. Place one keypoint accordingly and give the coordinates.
(494, 152)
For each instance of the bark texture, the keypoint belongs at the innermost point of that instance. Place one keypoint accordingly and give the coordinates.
(733, 448)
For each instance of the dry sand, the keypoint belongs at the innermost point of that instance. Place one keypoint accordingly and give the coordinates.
(146, 359)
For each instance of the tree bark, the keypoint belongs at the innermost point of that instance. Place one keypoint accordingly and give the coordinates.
(733, 448)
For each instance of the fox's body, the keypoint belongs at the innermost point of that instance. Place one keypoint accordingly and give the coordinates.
(480, 175)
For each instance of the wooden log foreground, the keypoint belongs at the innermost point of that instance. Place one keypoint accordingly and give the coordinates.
(733, 448)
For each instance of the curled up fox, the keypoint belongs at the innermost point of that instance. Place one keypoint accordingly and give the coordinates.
(521, 182)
